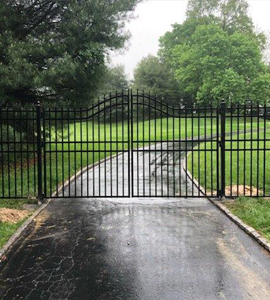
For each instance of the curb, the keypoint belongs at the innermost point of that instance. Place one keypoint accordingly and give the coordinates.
(248, 229)
(19, 232)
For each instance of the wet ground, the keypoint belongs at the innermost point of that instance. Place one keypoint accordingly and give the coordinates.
(157, 171)
(135, 249)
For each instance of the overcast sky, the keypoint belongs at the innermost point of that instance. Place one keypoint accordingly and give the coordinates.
(154, 18)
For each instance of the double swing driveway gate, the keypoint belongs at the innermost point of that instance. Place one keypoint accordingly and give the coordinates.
(134, 145)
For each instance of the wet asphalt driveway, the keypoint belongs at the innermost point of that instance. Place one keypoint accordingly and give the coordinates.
(135, 249)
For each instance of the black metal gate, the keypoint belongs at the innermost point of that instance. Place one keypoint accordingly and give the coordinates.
(165, 141)
(134, 145)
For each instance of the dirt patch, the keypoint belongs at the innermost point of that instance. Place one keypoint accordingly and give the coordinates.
(241, 190)
(238, 191)
(13, 216)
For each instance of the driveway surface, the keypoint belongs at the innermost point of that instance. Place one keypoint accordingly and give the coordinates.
(135, 249)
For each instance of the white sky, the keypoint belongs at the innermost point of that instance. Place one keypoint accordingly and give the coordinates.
(154, 18)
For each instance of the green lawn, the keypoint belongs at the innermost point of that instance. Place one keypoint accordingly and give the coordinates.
(241, 167)
(254, 212)
(7, 229)
(62, 165)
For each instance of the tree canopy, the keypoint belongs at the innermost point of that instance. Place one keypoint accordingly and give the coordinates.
(55, 50)
(115, 79)
(156, 77)
(216, 53)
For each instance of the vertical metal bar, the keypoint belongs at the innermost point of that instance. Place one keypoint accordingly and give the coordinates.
(130, 143)
(93, 152)
(205, 151)
(217, 110)
(56, 150)
(75, 151)
(167, 150)
(179, 151)
(39, 151)
(222, 147)
(192, 152)
(99, 151)
(155, 146)
(62, 154)
(251, 150)
(27, 154)
(111, 185)
(8, 155)
(117, 141)
(238, 148)
(143, 144)
(258, 151)
(137, 150)
(199, 148)
(81, 152)
(14, 153)
(264, 151)
(2, 153)
(21, 156)
(105, 146)
(44, 156)
(186, 150)
(173, 149)
(211, 129)
(149, 142)
(69, 158)
(50, 150)
(245, 137)
(161, 147)
(123, 140)
(231, 151)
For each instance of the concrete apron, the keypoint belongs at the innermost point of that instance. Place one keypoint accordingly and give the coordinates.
(136, 249)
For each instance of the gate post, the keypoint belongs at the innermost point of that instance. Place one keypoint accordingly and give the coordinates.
(222, 147)
(39, 151)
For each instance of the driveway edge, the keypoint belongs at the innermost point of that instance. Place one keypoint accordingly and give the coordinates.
(248, 229)
(19, 232)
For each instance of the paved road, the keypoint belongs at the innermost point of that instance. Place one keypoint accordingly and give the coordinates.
(129, 249)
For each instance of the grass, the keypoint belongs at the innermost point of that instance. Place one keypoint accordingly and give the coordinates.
(7, 229)
(254, 212)
(64, 159)
(243, 167)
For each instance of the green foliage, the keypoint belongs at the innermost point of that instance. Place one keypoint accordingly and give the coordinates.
(115, 79)
(218, 66)
(155, 77)
(216, 54)
(231, 15)
(54, 50)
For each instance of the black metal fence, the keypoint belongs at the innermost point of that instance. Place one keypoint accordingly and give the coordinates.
(132, 145)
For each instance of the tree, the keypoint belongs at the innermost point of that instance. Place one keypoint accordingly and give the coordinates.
(216, 53)
(231, 15)
(55, 50)
(156, 78)
(115, 79)
(217, 65)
